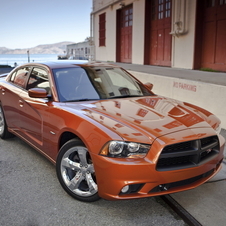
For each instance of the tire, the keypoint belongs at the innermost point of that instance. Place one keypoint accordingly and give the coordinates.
(75, 171)
(4, 133)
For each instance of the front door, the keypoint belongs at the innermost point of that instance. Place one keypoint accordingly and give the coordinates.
(34, 111)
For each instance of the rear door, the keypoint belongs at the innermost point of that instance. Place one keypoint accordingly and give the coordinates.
(10, 98)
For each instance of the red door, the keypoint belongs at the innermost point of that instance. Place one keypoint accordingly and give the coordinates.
(158, 27)
(214, 35)
(126, 34)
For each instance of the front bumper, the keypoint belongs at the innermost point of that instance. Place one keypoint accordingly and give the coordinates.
(113, 174)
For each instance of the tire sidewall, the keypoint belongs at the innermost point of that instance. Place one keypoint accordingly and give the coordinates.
(4, 134)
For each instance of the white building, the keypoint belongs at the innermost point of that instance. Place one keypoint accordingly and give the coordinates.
(188, 34)
(81, 50)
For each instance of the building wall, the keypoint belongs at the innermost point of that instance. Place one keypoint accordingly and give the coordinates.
(108, 52)
(138, 32)
(81, 50)
(183, 40)
(183, 45)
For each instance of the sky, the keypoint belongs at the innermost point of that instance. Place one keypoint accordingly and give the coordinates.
(28, 23)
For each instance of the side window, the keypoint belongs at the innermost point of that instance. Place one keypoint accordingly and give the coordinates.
(39, 79)
(19, 77)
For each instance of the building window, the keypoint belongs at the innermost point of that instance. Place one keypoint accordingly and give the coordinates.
(127, 18)
(102, 29)
(160, 9)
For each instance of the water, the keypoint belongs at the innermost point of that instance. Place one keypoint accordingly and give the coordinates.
(11, 59)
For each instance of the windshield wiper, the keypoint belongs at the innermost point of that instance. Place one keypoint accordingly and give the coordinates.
(77, 100)
(125, 96)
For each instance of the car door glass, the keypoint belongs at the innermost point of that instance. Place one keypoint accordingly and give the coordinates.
(39, 79)
(19, 77)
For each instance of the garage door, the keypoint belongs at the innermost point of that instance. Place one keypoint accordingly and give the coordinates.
(124, 34)
(214, 35)
(158, 26)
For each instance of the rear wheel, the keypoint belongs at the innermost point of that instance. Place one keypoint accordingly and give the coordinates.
(75, 171)
(4, 133)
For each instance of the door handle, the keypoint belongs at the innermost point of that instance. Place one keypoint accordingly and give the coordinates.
(21, 103)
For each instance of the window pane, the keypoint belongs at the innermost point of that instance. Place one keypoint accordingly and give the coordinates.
(19, 78)
(39, 79)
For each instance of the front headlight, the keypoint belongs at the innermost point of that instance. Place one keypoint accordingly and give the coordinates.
(120, 149)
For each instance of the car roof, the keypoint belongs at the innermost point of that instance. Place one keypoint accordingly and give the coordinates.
(71, 63)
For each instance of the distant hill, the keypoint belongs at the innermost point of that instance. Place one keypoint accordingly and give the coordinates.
(57, 48)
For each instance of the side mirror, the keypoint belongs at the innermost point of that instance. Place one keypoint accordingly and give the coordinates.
(37, 93)
(149, 85)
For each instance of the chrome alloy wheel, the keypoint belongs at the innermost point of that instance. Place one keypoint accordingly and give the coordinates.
(75, 171)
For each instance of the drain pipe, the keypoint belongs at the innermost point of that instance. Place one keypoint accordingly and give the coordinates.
(180, 23)
(91, 41)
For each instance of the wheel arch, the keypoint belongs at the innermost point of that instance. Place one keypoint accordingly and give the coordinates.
(65, 137)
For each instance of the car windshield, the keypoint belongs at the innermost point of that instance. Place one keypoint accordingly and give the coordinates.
(94, 83)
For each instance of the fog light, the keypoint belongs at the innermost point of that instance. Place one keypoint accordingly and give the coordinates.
(125, 189)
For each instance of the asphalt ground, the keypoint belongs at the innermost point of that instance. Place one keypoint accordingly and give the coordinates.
(5, 69)
(30, 195)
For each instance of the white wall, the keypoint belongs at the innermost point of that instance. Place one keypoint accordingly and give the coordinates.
(138, 32)
(108, 52)
(183, 45)
(205, 95)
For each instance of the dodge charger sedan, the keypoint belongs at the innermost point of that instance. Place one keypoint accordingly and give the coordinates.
(107, 133)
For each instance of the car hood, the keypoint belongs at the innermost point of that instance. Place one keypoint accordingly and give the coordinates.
(147, 118)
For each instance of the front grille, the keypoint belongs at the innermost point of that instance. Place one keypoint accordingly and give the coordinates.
(167, 187)
(185, 146)
(188, 154)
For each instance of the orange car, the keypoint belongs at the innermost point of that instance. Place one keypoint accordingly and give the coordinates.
(109, 135)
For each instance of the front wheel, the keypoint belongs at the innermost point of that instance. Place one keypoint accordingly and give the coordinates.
(75, 171)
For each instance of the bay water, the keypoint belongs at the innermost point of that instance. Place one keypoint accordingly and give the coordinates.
(18, 59)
